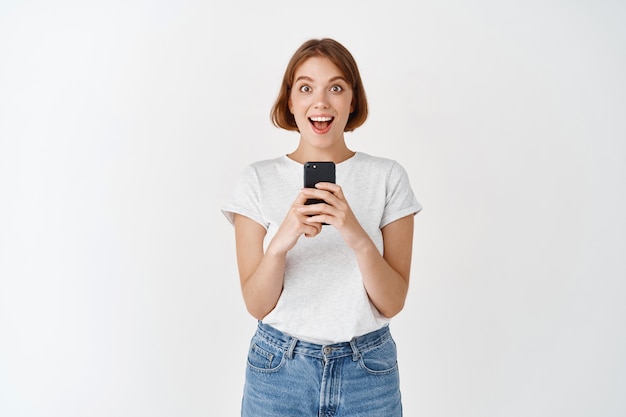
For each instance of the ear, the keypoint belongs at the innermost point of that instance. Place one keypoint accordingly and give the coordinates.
(290, 106)
(352, 106)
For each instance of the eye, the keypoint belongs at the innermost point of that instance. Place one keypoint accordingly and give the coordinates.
(305, 89)
(336, 89)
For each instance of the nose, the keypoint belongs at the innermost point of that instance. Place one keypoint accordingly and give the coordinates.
(320, 100)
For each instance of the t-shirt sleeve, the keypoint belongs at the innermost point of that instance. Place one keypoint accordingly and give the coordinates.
(400, 201)
(246, 198)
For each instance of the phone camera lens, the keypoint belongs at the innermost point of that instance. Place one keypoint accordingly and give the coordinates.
(314, 166)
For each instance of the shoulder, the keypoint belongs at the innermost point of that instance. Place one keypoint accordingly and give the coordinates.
(265, 164)
(380, 165)
(262, 168)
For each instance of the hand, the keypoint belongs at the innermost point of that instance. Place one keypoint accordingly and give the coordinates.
(336, 212)
(293, 226)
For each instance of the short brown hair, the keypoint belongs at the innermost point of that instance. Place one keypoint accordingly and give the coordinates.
(328, 48)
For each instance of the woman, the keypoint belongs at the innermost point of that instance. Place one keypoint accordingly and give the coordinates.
(323, 280)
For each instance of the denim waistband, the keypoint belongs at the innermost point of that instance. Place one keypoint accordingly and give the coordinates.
(293, 345)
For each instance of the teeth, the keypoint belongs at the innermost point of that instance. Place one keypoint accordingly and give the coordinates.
(321, 119)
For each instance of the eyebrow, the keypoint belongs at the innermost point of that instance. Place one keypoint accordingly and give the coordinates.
(307, 78)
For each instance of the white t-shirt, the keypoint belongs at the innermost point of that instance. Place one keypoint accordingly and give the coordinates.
(323, 299)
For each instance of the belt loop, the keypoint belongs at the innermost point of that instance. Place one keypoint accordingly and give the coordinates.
(292, 346)
(355, 350)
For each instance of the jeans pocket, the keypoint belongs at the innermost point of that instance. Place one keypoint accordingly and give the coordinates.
(264, 357)
(381, 359)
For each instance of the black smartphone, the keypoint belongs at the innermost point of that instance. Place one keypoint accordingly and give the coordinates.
(315, 172)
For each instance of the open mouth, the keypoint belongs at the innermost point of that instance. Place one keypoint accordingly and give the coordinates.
(321, 124)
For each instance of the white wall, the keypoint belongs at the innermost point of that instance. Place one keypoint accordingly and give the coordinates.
(124, 124)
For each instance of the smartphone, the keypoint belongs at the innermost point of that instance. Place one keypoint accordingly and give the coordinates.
(315, 172)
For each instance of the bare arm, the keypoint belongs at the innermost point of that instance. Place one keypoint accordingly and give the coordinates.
(261, 276)
(386, 278)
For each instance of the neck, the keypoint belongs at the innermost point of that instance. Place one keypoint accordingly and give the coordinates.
(335, 154)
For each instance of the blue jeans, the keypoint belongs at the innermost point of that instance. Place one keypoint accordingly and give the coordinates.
(291, 378)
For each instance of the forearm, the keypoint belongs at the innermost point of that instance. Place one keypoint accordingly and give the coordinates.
(262, 289)
(386, 288)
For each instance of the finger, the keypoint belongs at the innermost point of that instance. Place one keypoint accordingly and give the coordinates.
(329, 198)
(301, 198)
(335, 192)
(331, 188)
(312, 230)
(316, 209)
(317, 194)
(321, 219)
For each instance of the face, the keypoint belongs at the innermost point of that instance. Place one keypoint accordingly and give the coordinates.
(321, 102)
